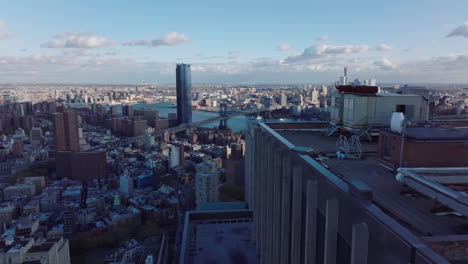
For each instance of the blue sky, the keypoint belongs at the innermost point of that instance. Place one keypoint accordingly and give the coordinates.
(233, 41)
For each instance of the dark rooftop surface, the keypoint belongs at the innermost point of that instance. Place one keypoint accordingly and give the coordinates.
(219, 237)
(435, 133)
(40, 248)
(221, 241)
(414, 212)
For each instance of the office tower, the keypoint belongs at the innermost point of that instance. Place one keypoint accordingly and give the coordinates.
(184, 94)
(126, 184)
(283, 99)
(177, 156)
(68, 216)
(36, 136)
(344, 79)
(207, 183)
(127, 110)
(234, 166)
(314, 95)
(66, 131)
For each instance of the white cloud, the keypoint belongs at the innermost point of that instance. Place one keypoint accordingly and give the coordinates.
(323, 50)
(3, 33)
(323, 38)
(233, 54)
(461, 30)
(78, 40)
(171, 39)
(385, 64)
(284, 47)
(383, 47)
(88, 65)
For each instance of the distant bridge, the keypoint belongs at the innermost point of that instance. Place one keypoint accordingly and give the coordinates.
(193, 125)
(184, 127)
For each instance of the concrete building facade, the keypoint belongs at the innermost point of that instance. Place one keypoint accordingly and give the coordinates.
(207, 182)
(66, 131)
(305, 213)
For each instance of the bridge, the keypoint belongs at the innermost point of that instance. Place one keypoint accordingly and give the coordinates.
(224, 115)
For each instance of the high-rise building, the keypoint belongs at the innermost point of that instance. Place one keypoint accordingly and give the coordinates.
(207, 182)
(138, 127)
(314, 96)
(184, 94)
(127, 110)
(177, 156)
(235, 166)
(283, 99)
(36, 135)
(307, 210)
(126, 184)
(66, 131)
(150, 115)
(344, 78)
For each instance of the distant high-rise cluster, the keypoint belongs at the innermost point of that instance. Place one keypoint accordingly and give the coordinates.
(184, 94)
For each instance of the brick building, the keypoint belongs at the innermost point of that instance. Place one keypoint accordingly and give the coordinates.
(424, 147)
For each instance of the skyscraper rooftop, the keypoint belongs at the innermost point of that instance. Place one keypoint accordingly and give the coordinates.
(323, 207)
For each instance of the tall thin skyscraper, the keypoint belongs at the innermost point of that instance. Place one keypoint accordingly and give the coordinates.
(66, 131)
(184, 94)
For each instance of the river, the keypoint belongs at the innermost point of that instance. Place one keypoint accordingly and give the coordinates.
(237, 124)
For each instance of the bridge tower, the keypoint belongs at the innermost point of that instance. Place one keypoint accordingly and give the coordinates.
(223, 113)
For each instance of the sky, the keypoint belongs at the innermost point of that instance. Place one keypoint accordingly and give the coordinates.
(240, 41)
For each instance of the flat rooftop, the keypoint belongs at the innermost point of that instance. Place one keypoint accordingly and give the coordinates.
(410, 210)
(218, 237)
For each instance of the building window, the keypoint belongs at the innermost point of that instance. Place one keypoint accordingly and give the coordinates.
(400, 108)
(386, 147)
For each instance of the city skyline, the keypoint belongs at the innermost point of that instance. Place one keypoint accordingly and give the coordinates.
(114, 42)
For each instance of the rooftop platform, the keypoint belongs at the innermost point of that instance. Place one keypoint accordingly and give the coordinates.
(411, 210)
(218, 237)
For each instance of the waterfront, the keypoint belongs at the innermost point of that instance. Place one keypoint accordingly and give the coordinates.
(238, 123)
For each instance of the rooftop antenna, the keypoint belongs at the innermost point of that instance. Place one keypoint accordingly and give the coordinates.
(345, 71)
